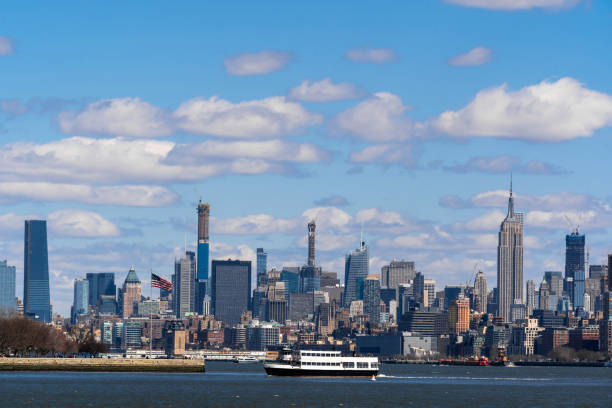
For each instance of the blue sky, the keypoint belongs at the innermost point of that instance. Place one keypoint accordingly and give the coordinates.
(404, 117)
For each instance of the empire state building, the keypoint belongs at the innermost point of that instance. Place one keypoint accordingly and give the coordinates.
(510, 261)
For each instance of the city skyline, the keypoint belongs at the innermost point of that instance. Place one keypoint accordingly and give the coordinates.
(115, 156)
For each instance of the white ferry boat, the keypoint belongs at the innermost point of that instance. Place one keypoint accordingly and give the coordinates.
(246, 360)
(320, 363)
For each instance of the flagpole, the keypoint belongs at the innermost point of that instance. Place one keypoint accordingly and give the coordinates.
(151, 314)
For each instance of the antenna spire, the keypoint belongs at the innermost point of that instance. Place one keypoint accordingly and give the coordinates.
(510, 184)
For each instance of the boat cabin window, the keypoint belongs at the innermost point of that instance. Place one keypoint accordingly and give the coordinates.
(374, 365)
(362, 365)
(348, 364)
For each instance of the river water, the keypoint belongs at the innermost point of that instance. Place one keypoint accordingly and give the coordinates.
(228, 384)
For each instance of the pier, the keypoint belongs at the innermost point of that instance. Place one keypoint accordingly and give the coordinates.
(102, 364)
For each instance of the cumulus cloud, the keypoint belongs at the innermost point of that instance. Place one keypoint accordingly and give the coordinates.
(129, 195)
(545, 112)
(324, 91)
(379, 118)
(255, 224)
(121, 117)
(511, 5)
(269, 117)
(499, 198)
(6, 46)
(106, 161)
(384, 154)
(372, 55)
(476, 56)
(335, 201)
(257, 63)
(80, 223)
(504, 164)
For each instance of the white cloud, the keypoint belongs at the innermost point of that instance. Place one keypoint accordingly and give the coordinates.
(119, 117)
(328, 217)
(379, 118)
(324, 91)
(373, 55)
(489, 221)
(510, 5)
(504, 164)
(545, 112)
(255, 224)
(80, 223)
(6, 46)
(106, 161)
(476, 56)
(258, 63)
(384, 154)
(102, 195)
(270, 117)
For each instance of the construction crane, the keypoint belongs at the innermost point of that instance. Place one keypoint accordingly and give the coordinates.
(467, 284)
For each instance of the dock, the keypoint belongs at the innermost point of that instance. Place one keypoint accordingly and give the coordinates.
(102, 364)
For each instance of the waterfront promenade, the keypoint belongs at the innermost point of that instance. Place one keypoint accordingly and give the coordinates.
(102, 364)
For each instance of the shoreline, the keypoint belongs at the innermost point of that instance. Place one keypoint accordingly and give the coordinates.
(101, 364)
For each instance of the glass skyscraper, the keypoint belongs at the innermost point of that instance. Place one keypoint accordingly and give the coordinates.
(231, 290)
(36, 298)
(7, 287)
(100, 284)
(262, 265)
(574, 268)
(356, 269)
(80, 304)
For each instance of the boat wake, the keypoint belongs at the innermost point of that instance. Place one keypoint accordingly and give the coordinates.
(415, 377)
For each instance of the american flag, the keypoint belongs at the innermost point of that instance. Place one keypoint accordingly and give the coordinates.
(159, 282)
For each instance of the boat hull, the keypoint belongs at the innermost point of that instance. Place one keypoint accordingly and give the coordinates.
(298, 372)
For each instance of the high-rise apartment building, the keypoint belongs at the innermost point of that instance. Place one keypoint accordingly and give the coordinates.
(7, 287)
(100, 284)
(480, 292)
(230, 289)
(185, 280)
(510, 261)
(80, 303)
(262, 268)
(531, 296)
(311, 243)
(36, 296)
(203, 240)
(130, 294)
(459, 316)
(575, 268)
(371, 298)
(395, 273)
(356, 268)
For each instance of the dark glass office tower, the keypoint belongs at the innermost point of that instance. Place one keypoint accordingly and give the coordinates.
(574, 267)
(36, 302)
(100, 284)
(231, 290)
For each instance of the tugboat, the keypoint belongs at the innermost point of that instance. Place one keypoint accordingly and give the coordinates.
(320, 363)
(501, 360)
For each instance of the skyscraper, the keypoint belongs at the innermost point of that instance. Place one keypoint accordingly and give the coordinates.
(574, 268)
(510, 261)
(7, 287)
(100, 284)
(371, 298)
(36, 297)
(311, 243)
(185, 281)
(262, 267)
(130, 293)
(480, 292)
(80, 303)
(395, 273)
(203, 251)
(356, 268)
(531, 292)
(230, 289)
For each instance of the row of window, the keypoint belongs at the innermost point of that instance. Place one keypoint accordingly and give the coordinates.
(320, 355)
(318, 363)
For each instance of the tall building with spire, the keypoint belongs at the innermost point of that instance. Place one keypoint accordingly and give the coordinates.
(310, 274)
(510, 260)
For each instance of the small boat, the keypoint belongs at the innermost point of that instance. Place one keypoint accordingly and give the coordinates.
(465, 362)
(321, 363)
(246, 360)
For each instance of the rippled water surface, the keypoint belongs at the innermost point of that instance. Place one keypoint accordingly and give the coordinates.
(232, 385)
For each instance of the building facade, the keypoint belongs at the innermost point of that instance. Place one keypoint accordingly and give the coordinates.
(371, 298)
(130, 294)
(356, 268)
(36, 296)
(262, 268)
(480, 292)
(510, 261)
(185, 289)
(100, 284)
(395, 273)
(230, 289)
(80, 303)
(7, 287)
(575, 268)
